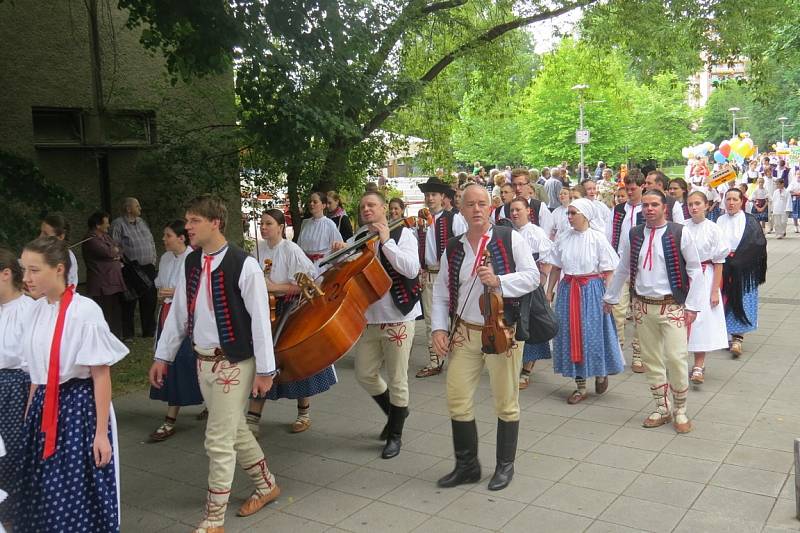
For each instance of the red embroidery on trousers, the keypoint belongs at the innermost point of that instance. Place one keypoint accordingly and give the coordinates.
(228, 376)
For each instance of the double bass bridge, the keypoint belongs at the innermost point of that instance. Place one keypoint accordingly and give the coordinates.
(308, 289)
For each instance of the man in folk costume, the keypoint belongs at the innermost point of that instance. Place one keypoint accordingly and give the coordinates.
(221, 304)
(539, 214)
(503, 212)
(445, 225)
(456, 302)
(389, 335)
(667, 289)
(624, 217)
(656, 179)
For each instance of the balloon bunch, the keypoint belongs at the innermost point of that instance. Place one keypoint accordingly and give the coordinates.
(735, 150)
(691, 152)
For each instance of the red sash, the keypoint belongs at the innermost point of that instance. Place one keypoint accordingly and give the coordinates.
(575, 334)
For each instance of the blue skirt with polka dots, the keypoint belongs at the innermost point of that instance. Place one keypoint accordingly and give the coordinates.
(750, 305)
(14, 387)
(536, 352)
(305, 388)
(66, 492)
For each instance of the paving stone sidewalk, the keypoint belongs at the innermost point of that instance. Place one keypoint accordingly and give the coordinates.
(589, 467)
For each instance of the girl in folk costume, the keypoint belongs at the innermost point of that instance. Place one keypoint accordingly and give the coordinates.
(760, 199)
(397, 209)
(586, 344)
(318, 232)
(679, 189)
(540, 246)
(336, 213)
(69, 475)
(560, 221)
(181, 387)
(745, 269)
(14, 380)
(282, 260)
(708, 332)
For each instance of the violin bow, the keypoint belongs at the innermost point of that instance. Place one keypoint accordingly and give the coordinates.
(454, 325)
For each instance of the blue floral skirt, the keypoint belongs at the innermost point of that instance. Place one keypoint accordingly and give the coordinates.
(536, 352)
(796, 207)
(601, 353)
(66, 492)
(14, 387)
(305, 388)
(750, 305)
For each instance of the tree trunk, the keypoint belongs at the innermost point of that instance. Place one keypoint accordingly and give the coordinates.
(335, 164)
(292, 180)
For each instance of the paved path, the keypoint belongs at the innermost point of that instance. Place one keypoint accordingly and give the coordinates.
(590, 467)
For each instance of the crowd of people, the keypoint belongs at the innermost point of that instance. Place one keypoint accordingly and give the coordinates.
(568, 264)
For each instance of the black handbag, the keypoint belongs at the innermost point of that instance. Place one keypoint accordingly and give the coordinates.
(537, 322)
(136, 279)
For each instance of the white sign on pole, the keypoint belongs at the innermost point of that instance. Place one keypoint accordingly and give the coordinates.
(581, 136)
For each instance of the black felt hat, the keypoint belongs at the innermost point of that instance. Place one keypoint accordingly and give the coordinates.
(435, 184)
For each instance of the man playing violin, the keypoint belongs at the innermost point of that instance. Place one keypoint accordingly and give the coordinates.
(389, 334)
(512, 272)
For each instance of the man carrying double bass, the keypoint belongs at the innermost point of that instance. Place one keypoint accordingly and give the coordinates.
(512, 272)
(389, 334)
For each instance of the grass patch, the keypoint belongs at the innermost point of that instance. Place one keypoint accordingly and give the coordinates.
(130, 374)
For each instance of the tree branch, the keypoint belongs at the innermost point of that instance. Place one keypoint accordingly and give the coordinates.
(439, 6)
(485, 38)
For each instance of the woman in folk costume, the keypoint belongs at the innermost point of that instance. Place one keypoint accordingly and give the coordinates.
(708, 332)
(540, 246)
(181, 387)
(338, 215)
(560, 221)
(586, 344)
(69, 475)
(745, 269)
(282, 260)
(679, 190)
(14, 381)
(317, 232)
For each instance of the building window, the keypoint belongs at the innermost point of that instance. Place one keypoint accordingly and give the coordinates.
(131, 127)
(57, 125)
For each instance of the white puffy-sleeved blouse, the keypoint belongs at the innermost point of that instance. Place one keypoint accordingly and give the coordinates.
(287, 259)
(710, 242)
(578, 253)
(13, 320)
(86, 340)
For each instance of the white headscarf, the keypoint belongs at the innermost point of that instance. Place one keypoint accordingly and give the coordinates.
(585, 207)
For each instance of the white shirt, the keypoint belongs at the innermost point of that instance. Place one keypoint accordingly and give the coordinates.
(459, 227)
(13, 321)
(628, 223)
(169, 270)
(287, 259)
(86, 340)
(539, 242)
(781, 201)
(603, 214)
(794, 188)
(560, 222)
(512, 285)
(317, 235)
(708, 239)
(404, 258)
(677, 212)
(732, 228)
(206, 336)
(72, 275)
(578, 253)
(545, 219)
(654, 283)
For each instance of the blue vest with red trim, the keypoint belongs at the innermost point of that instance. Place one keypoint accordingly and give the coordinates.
(443, 231)
(502, 257)
(673, 258)
(233, 320)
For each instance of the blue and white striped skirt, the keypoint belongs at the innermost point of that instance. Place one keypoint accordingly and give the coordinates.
(601, 353)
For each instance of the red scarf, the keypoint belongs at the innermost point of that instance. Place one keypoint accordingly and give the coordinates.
(50, 411)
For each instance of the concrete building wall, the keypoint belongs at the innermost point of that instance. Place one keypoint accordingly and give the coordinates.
(46, 62)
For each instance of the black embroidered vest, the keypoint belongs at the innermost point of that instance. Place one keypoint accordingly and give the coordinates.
(502, 257)
(233, 320)
(535, 205)
(673, 258)
(617, 221)
(405, 292)
(443, 231)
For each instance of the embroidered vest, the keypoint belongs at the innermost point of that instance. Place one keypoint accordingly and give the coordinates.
(443, 230)
(673, 258)
(534, 204)
(502, 258)
(405, 292)
(233, 320)
(670, 206)
(500, 213)
(616, 224)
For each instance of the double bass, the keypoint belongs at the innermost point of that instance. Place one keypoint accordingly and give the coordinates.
(328, 318)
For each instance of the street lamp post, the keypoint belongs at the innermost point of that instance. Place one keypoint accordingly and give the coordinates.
(733, 111)
(580, 88)
(782, 120)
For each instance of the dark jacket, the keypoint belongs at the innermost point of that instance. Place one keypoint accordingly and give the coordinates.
(103, 271)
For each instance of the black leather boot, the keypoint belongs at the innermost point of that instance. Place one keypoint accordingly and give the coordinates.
(383, 402)
(465, 446)
(507, 433)
(397, 417)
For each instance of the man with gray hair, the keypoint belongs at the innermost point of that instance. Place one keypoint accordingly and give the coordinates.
(134, 237)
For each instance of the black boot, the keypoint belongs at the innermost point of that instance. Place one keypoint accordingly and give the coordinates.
(507, 433)
(397, 417)
(383, 402)
(465, 446)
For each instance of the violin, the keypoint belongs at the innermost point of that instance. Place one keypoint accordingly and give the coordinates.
(496, 336)
(424, 219)
(273, 302)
